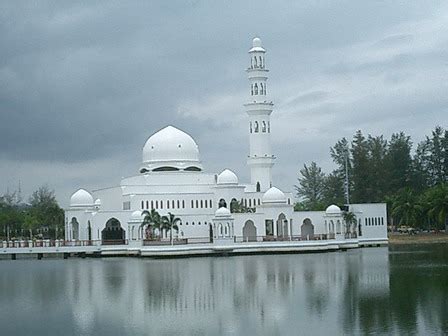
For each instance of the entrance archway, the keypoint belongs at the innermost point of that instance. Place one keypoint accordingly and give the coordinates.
(282, 226)
(307, 229)
(113, 233)
(249, 232)
(75, 229)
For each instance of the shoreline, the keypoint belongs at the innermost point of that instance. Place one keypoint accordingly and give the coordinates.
(428, 238)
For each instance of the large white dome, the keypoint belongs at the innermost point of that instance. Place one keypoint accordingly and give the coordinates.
(274, 195)
(227, 177)
(170, 149)
(81, 198)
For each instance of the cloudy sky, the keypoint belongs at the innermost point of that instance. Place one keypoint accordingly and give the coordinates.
(84, 84)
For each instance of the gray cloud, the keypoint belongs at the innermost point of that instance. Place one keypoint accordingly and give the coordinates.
(82, 85)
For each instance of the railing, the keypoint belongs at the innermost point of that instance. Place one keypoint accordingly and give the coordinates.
(161, 242)
(245, 239)
(176, 241)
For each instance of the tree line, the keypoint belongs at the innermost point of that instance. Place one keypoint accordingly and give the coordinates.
(372, 169)
(41, 217)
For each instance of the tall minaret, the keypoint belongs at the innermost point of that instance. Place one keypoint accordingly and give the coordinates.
(259, 109)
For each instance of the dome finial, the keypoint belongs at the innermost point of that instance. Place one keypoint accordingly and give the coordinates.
(256, 42)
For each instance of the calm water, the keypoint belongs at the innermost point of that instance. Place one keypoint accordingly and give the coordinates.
(369, 291)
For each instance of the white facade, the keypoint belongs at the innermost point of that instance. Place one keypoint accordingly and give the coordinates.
(172, 180)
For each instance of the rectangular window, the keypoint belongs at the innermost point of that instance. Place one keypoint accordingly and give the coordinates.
(168, 204)
(127, 205)
(382, 220)
(211, 204)
(197, 204)
(202, 204)
(161, 204)
(183, 204)
(152, 204)
(192, 204)
(147, 204)
(173, 205)
(157, 204)
(143, 205)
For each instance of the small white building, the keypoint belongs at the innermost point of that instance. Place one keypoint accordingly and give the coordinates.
(172, 179)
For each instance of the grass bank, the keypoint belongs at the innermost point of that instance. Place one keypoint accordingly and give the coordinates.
(421, 238)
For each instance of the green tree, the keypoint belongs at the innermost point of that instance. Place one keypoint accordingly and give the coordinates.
(239, 207)
(45, 211)
(398, 163)
(311, 185)
(437, 199)
(406, 208)
(169, 223)
(350, 221)
(11, 214)
(152, 220)
(377, 147)
(361, 180)
(333, 192)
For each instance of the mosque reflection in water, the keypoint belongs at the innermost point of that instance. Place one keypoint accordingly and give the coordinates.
(376, 290)
(251, 295)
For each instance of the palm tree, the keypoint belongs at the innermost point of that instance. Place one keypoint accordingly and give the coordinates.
(152, 219)
(406, 207)
(437, 199)
(350, 220)
(169, 223)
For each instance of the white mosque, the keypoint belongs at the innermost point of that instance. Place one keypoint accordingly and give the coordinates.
(172, 179)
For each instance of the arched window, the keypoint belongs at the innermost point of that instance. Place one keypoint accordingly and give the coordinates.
(263, 126)
(161, 204)
(261, 88)
(250, 126)
(192, 204)
(183, 204)
(258, 187)
(250, 203)
(152, 204)
(255, 62)
(199, 223)
(143, 205)
(178, 204)
(202, 204)
(211, 203)
(256, 127)
(261, 62)
(265, 88)
(269, 127)
(222, 203)
(197, 204)
(168, 204)
(157, 204)
(251, 90)
(256, 89)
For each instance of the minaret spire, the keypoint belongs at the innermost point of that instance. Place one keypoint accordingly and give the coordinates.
(259, 109)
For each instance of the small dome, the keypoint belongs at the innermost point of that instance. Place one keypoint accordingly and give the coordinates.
(256, 42)
(333, 210)
(227, 177)
(170, 149)
(256, 46)
(136, 215)
(81, 198)
(98, 202)
(274, 195)
(222, 212)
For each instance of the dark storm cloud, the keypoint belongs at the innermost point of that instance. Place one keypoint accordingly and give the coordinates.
(83, 84)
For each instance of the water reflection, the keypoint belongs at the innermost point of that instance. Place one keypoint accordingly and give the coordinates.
(361, 291)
